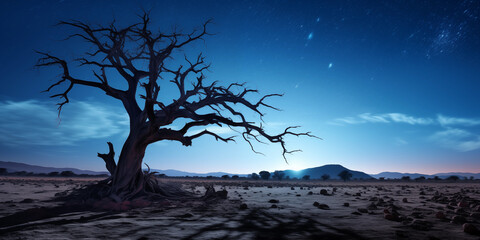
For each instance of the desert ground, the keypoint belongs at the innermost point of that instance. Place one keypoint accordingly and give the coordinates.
(252, 210)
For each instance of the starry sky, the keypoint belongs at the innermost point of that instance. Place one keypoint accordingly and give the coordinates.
(387, 85)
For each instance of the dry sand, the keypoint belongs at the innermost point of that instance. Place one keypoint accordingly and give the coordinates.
(253, 210)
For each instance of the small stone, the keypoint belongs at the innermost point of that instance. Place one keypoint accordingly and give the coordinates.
(273, 201)
(463, 204)
(324, 207)
(372, 206)
(391, 217)
(470, 229)
(363, 210)
(298, 195)
(421, 225)
(292, 188)
(405, 200)
(27, 200)
(316, 204)
(475, 215)
(243, 206)
(440, 215)
(458, 219)
(274, 206)
(356, 213)
(186, 215)
(310, 193)
(346, 204)
(323, 192)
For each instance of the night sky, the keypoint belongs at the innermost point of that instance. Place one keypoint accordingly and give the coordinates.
(388, 85)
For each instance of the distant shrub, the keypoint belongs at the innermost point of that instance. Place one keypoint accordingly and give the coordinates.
(264, 175)
(21, 173)
(235, 177)
(436, 178)
(3, 171)
(53, 174)
(278, 175)
(325, 177)
(345, 175)
(254, 176)
(209, 177)
(382, 179)
(225, 177)
(453, 178)
(421, 178)
(306, 177)
(406, 178)
(287, 178)
(67, 174)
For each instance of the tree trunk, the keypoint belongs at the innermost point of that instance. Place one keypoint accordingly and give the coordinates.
(128, 179)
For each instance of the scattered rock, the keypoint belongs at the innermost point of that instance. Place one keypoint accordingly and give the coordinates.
(458, 219)
(292, 188)
(310, 193)
(391, 217)
(186, 215)
(298, 195)
(475, 215)
(405, 200)
(316, 204)
(27, 200)
(346, 204)
(274, 206)
(324, 192)
(421, 225)
(324, 206)
(372, 206)
(363, 210)
(463, 204)
(243, 206)
(273, 201)
(440, 215)
(356, 213)
(470, 229)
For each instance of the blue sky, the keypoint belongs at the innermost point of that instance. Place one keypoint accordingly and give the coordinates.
(388, 85)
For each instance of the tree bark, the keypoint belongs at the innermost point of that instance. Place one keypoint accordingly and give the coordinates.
(128, 179)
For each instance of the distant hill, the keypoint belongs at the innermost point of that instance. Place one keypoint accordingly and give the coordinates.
(18, 167)
(332, 170)
(397, 175)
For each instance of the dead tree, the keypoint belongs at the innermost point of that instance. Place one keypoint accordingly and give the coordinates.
(141, 57)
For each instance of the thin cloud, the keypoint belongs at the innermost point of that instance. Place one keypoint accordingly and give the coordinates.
(449, 135)
(451, 121)
(458, 139)
(34, 122)
(383, 118)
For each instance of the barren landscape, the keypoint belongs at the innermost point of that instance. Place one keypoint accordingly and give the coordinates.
(252, 210)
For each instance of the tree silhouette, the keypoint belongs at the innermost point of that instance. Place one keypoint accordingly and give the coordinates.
(264, 175)
(255, 176)
(306, 177)
(278, 175)
(345, 175)
(325, 177)
(143, 60)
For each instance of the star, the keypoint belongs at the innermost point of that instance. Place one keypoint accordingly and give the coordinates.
(310, 36)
